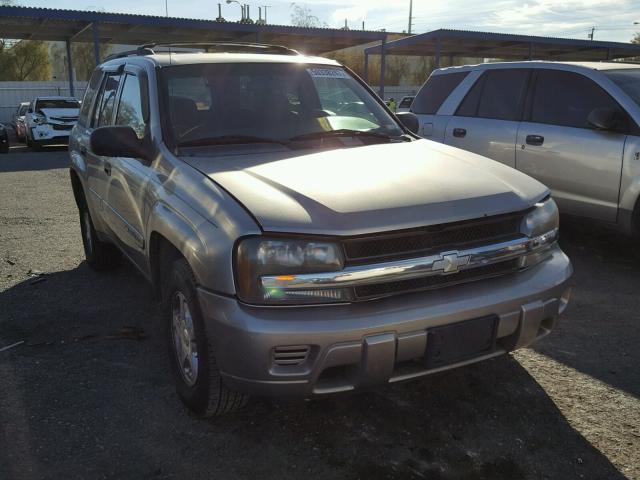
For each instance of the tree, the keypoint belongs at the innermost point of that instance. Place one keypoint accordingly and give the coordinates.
(24, 60)
(82, 56)
(636, 38)
(301, 16)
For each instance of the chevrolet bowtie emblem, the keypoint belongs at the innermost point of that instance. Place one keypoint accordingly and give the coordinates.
(451, 262)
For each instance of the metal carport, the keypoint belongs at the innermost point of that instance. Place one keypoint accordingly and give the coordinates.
(462, 43)
(99, 27)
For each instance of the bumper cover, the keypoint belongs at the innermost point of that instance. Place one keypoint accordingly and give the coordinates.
(370, 343)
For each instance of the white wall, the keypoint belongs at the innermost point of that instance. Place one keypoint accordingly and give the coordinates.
(12, 93)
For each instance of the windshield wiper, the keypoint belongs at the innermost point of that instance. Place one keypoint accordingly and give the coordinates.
(345, 132)
(228, 140)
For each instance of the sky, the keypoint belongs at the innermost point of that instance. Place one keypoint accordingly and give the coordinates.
(612, 19)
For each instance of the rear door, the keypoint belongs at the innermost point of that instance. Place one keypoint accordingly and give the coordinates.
(581, 165)
(486, 122)
(429, 100)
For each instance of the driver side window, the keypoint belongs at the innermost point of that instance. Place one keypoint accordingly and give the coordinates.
(130, 111)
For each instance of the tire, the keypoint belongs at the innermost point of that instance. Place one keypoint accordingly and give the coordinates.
(198, 383)
(100, 255)
(36, 146)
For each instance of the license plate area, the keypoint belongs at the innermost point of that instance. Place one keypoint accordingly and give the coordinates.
(460, 341)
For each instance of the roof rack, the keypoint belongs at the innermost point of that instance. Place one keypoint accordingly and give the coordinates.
(207, 47)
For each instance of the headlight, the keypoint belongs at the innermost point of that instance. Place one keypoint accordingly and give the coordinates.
(543, 219)
(39, 119)
(257, 257)
(541, 225)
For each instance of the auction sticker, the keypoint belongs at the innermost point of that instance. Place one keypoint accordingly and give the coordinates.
(317, 72)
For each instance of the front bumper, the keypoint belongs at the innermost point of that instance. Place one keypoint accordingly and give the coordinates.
(371, 343)
(46, 133)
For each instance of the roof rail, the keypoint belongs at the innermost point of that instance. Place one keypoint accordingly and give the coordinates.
(208, 47)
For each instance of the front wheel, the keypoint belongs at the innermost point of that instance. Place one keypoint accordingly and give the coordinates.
(100, 255)
(198, 380)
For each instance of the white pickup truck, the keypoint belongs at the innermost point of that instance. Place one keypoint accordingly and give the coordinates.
(49, 120)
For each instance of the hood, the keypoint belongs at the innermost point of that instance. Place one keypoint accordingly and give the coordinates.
(366, 189)
(61, 113)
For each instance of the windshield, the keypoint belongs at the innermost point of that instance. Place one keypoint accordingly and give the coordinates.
(271, 101)
(57, 103)
(22, 110)
(628, 80)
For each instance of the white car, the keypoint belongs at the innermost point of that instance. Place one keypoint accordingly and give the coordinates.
(49, 120)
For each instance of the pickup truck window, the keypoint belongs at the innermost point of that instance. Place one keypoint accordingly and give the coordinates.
(276, 101)
(497, 94)
(567, 98)
(130, 106)
(107, 100)
(433, 94)
(57, 103)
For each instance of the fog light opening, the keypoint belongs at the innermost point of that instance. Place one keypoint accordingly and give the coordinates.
(564, 300)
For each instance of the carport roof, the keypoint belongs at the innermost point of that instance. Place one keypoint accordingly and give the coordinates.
(462, 43)
(78, 26)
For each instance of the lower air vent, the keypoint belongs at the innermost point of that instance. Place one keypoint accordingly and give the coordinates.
(291, 354)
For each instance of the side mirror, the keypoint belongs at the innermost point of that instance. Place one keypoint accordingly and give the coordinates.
(604, 118)
(410, 121)
(118, 141)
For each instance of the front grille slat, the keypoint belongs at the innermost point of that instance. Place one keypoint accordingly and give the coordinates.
(377, 290)
(291, 354)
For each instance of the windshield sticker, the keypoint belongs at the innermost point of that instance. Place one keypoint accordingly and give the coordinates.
(327, 73)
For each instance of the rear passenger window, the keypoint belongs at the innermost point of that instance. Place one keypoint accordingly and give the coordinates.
(498, 94)
(89, 94)
(107, 101)
(433, 94)
(566, 98)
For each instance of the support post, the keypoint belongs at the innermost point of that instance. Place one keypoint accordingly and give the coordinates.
(96, 42)
(609, 54)
(438, 52)
(72, 92)
(530, 51)
(383, 58)
(366, 67)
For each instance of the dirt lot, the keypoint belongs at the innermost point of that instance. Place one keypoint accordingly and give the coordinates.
(88, 395)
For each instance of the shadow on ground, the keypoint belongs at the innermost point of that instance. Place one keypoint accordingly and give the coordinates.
(22, 159)
(600, 331)
(88, 395)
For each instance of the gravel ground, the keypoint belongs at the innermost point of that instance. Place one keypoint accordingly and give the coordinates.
(88, 394)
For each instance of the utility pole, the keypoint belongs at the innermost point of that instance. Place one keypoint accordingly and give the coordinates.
(265, 12)
(410, 16)
(590, 35)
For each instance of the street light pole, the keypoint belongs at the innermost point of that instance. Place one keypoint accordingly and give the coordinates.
(241, 7)
(410, 16)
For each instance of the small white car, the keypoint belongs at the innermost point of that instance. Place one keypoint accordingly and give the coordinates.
(49, 120)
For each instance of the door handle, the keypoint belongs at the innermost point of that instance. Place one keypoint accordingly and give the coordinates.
(107, 168)
(459, 132)
(535, 140)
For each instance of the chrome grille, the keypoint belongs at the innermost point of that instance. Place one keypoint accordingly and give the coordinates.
(377, 290)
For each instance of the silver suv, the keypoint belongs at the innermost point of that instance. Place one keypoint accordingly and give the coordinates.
(300, 239)
(573, 126)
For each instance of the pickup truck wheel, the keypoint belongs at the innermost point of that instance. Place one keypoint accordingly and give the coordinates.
(100, 255)
(198, 380)
(36, 146)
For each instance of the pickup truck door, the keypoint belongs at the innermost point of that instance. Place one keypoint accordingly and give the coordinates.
(125, 196)
(486, 121)
(581, 165)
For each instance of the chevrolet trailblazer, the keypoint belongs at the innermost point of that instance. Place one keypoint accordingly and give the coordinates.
(301, 239)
